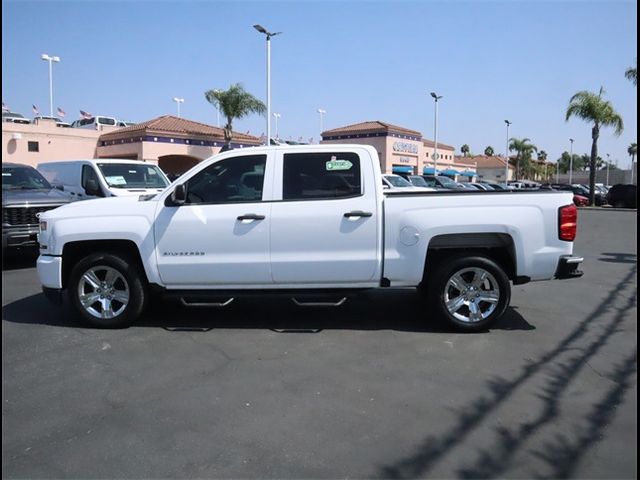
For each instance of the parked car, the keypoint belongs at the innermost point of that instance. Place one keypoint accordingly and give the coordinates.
(95, 123)
(397, 182)
(417, 181)
(303, 221)
(441, 182)
(25, 194)
(123, 123)
(104, 177)
(600, 198)
(494, 186)
(13, 117)
(59, 121)
(580, 201)
(623, 196)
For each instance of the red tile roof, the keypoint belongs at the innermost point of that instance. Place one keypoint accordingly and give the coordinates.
(485, 161)
(168, 124)
(375, 126)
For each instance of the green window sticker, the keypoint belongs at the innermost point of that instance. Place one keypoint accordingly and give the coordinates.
(334, 164)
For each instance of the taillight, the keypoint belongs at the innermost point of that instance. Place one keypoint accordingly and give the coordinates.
(567, 223)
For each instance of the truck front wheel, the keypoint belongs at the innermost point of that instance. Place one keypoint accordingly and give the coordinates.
(107, 290)
(471, 293)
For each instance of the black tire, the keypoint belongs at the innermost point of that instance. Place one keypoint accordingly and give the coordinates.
(439, 289)
(135, 282)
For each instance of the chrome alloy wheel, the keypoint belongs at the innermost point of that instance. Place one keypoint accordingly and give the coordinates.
(103, 292)
(471, 294)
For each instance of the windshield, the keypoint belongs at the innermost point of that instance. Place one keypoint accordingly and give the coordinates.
(397, 181)
(12, 114)
(446, 181)
(418, 181)
(23, 178)
(130, 175)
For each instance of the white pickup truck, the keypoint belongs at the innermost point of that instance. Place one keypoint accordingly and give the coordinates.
(310, 222)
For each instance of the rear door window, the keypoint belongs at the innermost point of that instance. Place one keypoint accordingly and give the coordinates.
(316, 176)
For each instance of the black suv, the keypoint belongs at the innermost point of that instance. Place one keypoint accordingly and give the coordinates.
(25, 193)
(623, 196)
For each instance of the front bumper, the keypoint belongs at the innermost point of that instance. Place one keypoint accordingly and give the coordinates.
(20, 236)
(568, 267)
(50, 271)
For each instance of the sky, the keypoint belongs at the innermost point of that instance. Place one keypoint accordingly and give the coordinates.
(358, 60)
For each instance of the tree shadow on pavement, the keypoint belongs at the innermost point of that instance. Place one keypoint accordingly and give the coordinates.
(619, 257)
(494, 460)
(399, 310)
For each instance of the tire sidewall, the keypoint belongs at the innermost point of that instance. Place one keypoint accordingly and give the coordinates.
(137, 290)
(452, 265)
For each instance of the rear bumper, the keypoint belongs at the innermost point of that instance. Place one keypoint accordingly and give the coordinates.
(568, 267)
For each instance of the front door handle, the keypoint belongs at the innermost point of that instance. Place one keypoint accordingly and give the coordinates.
(251, 216)
(357, 213)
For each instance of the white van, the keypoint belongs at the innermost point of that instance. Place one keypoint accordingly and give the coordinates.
(95, 123)
(102, 177)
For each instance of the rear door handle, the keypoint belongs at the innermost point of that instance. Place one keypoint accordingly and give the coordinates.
(357, 213)
(251, 216)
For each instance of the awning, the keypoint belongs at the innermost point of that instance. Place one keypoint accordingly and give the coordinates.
(450, 171)
(430, 171)
(402, 169)
(469, 174)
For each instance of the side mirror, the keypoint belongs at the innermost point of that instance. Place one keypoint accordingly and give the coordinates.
(92, 188)
(58, 187)
(179, 194)
(385, 186)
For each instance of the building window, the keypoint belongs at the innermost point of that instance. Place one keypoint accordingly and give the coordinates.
(33, 146)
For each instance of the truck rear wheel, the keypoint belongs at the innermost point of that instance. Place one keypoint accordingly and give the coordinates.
(107, 290)
(471, 293)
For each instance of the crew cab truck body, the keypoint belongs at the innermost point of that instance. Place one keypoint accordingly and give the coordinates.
(306, 220)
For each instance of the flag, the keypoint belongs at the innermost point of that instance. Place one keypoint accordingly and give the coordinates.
(4, 107)
(35, 110)
(61, 112)
(84, 114)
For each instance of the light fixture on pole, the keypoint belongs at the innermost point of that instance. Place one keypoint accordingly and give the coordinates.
(50, 59)
(571, 162)
(178, 102)
(268, 35)
(436, 97)
(506, 173)
(277, 116)
(322, 113)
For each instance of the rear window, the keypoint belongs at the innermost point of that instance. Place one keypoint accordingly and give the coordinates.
(106, 121)
(313, 176)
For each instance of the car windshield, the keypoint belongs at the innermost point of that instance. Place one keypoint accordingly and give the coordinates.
(23, 178)
(397, 181)
(131, 175)
(446, 181)
(418, 181)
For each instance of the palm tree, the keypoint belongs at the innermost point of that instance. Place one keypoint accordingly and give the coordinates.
(592, 108)
(524, 149)
(234, 103)
(465, 149)
(632, 74)
(632, 151)
(489, 151)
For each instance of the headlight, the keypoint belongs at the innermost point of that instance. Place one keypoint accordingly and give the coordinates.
(43, 226)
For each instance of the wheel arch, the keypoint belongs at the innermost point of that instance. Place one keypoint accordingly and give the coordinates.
(73, 252)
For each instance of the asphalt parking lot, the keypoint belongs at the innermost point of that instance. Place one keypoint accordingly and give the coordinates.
(372, 389)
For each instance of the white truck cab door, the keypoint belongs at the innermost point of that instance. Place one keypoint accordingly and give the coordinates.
(325, 223)
(220, 236)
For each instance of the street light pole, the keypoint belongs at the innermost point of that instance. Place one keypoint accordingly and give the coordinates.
(506, 172)
(571, 163)
(321, 112)
(178, 102)
(277, 116)
(50, 59)
(268, 35)
(435, 134)
(608, 168)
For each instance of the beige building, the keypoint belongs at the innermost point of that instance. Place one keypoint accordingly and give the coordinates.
(492, 168)
(402, 150)
(175, 144)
